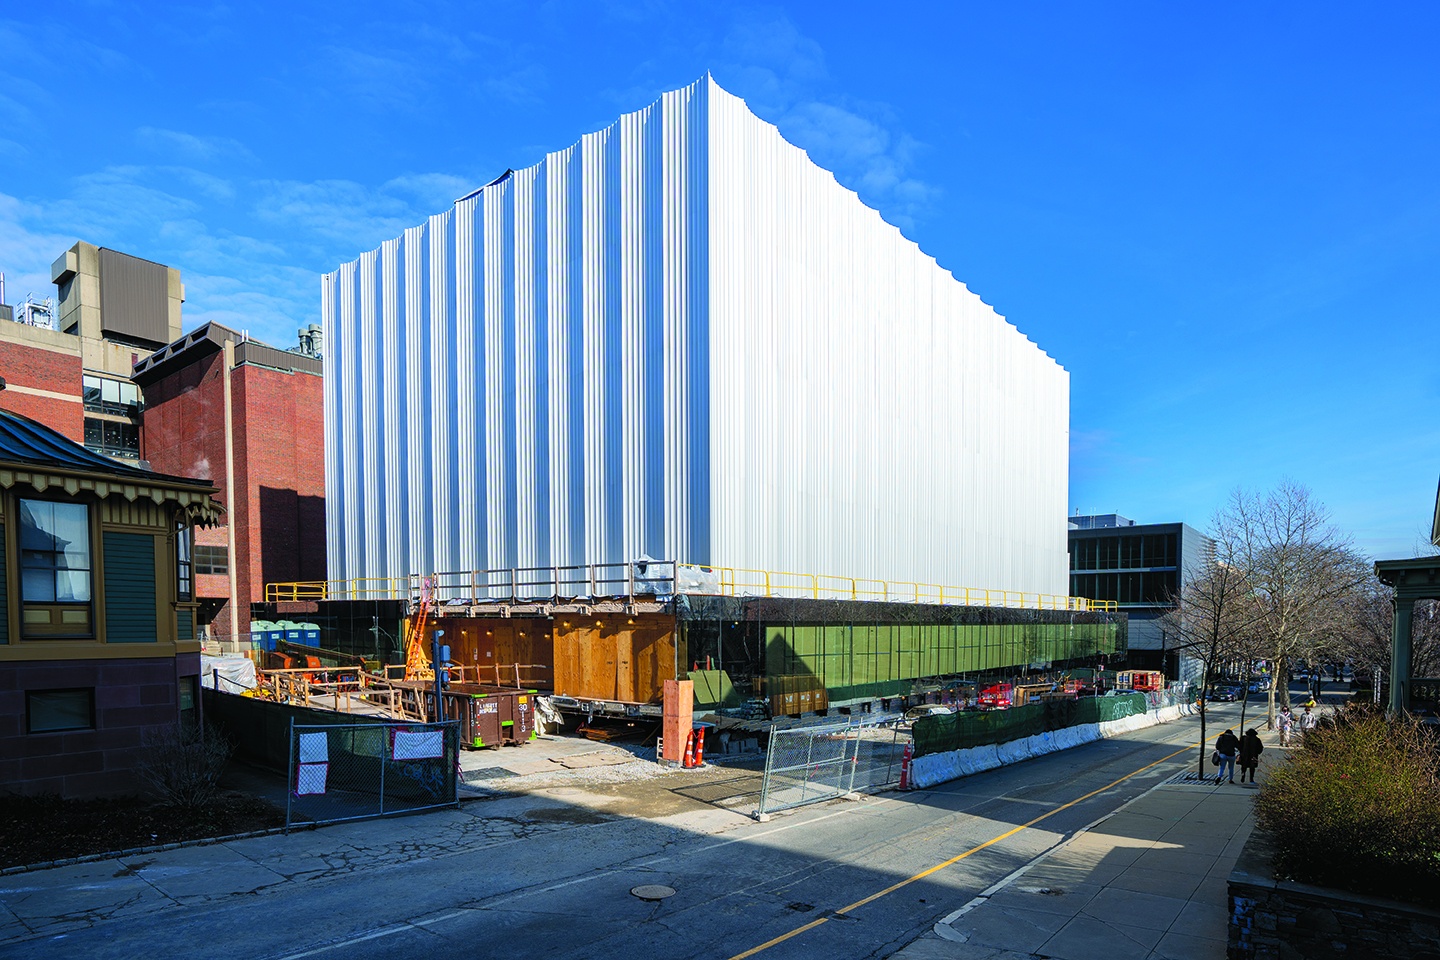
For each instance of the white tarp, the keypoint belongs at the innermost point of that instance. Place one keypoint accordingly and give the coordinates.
(235, 673)
(692, 579)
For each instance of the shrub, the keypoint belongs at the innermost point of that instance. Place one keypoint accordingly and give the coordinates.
(1358, 808)
(183, 765)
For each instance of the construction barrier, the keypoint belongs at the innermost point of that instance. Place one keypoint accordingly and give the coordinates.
(941, 766)
(975, 728)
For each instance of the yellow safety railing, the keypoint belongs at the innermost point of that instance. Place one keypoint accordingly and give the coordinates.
(740, 581)
(359, 588)
(602, 580)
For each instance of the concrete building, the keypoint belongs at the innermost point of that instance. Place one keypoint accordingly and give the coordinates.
(1139, 567)
(680, 337)
(97, 611)
(74, 376)
(220, 405)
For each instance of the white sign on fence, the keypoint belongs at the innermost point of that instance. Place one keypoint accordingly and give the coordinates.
(429, 745)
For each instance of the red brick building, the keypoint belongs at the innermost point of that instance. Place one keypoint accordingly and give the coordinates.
(250, 417)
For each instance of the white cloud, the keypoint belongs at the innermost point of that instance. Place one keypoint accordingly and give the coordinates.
(25, 254)
(188, 146)
(337, 210)
(779, 70)
(432, 192)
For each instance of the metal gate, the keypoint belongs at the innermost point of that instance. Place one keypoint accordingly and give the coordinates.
(817, 763)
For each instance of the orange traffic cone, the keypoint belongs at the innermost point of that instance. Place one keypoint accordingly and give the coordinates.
(689, 760)
(699, 747)
(905, 766)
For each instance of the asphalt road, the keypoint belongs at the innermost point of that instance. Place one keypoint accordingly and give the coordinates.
(739, 885)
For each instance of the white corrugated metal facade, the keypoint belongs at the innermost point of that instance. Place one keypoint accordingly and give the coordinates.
(682, 338)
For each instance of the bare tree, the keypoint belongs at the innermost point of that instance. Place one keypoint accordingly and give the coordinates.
(1303, 574)
(1211, 620)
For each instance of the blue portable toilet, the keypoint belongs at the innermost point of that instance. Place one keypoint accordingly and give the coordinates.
(260, 634)
(311, 633)
(293, 632)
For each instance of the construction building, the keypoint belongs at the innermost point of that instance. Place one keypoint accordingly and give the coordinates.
(681, 339)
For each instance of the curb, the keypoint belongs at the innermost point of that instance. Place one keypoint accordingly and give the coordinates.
(157, 848)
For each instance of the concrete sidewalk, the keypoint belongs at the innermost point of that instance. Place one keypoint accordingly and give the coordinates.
(1145, 883)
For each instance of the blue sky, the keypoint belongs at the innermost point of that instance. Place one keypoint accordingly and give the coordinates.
(1223, 220)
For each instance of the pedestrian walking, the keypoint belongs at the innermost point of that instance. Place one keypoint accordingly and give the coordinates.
(1307, 721)
(1286, 722)
(1250, 750)
(1227, 745)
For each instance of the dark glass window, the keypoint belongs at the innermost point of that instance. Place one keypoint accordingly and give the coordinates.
(184, 576)
(112, 437)
(211, 560)
(47, 711)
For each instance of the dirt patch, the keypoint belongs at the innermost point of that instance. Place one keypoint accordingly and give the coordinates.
(39, 829)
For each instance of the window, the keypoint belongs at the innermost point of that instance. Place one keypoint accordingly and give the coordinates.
(55, 568)
(184, 577)
(112, 437)
(103, 395)
(48, 711)
(211, 560)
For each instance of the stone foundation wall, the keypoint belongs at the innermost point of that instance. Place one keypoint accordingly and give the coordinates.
(130, 696)
(1280, 920)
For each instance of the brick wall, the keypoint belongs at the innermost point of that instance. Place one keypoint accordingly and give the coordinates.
(36, 368)
(279, 516)
(131, 697)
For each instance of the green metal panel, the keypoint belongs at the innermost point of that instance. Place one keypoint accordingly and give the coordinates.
(129, 588)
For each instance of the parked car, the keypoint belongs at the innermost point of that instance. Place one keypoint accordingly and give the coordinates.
(927, 710)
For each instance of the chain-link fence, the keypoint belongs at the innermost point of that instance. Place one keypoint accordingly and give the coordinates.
(1175, 695)
(814, 763)
(360, 771)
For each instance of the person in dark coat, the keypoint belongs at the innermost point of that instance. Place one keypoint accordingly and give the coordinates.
(1227, 745)
(1250, 749)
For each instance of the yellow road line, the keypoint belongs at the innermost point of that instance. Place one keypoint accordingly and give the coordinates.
(953, 860)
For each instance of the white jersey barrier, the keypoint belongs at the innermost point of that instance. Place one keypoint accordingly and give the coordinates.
(936, 768)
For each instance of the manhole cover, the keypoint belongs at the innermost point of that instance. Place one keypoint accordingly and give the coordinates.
(652, 891)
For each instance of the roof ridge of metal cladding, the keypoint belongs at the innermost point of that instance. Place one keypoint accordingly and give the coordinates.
(710, 80)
